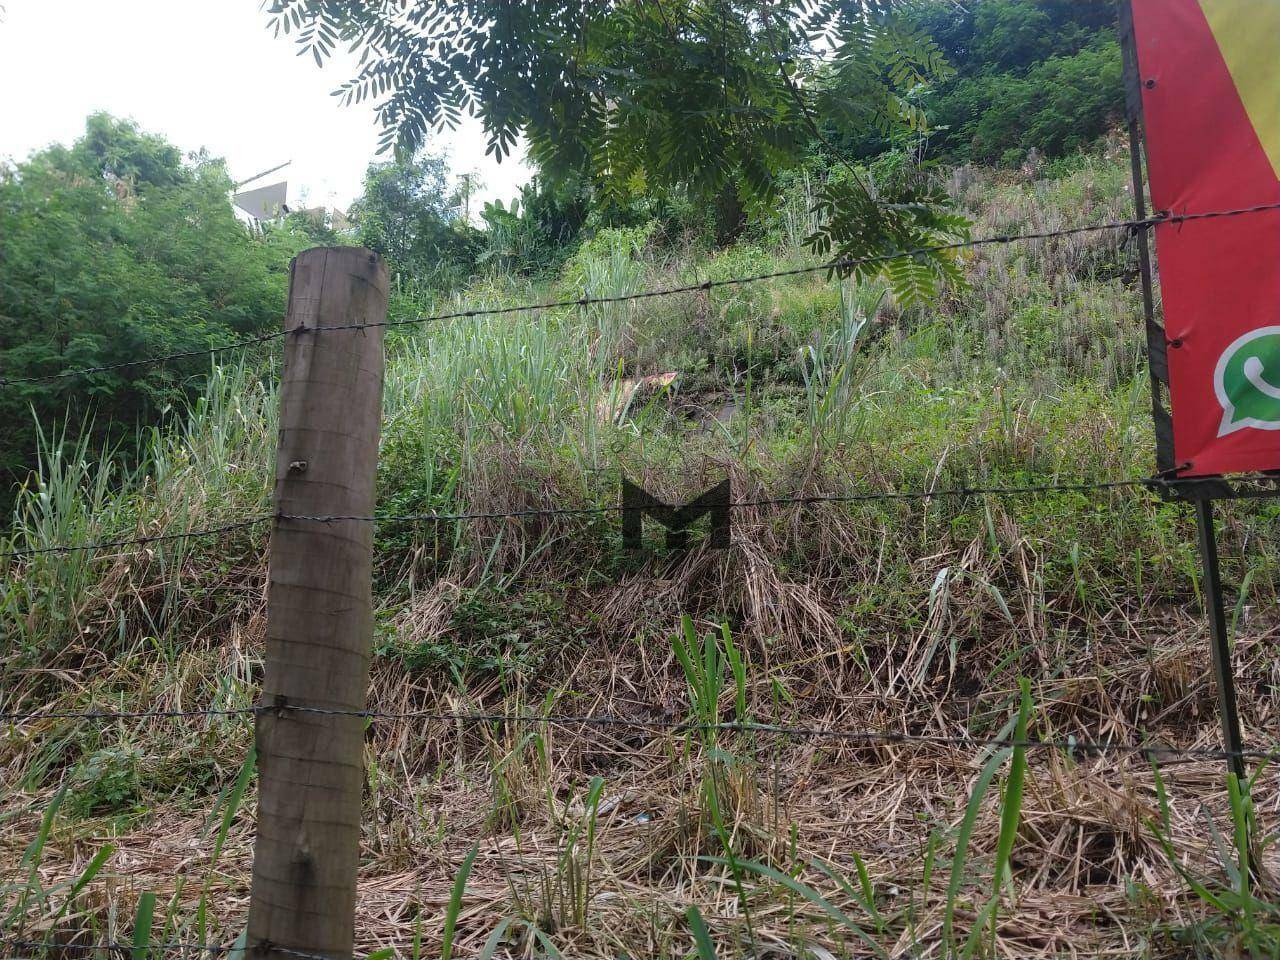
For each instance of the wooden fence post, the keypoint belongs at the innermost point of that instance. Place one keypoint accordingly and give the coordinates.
(319, 609)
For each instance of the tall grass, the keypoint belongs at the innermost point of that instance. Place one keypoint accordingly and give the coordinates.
(863, 614)
(207, 466)
(833, 370)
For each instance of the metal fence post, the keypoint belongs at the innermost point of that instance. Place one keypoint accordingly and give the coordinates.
(1215, 607)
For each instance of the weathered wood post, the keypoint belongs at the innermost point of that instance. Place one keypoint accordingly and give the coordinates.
(319, 609)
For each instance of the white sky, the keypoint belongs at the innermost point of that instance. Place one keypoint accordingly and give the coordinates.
(204, 73)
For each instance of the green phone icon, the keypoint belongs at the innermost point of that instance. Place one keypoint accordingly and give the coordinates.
(1247, 382)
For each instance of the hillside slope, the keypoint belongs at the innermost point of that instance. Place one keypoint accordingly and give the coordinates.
(913, 616)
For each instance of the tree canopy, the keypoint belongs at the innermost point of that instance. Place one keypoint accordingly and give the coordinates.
(410, 215)
(1042, 74)
(712, 96)
(111, 250)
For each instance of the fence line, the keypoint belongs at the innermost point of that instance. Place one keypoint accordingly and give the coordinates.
(132, 949)
(144, 361)
(146, 950)
(867, 736)
(100, 545)
(1087, 486)
(1163, 217)
(1151, 751)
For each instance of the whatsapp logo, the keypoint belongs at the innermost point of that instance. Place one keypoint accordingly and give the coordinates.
(1247, 382)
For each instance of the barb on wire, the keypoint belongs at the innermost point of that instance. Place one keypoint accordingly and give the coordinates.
(884, 737)
(1084, 486)
(267, 946)
(830, 266)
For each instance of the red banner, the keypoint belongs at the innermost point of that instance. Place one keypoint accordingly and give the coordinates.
(1210, 75)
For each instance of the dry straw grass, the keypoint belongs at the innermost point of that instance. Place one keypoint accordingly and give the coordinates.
(918, 618)
(1089, 876)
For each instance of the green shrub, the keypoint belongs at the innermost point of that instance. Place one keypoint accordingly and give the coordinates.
(112, 250)
(106, 781)
(1059, 106)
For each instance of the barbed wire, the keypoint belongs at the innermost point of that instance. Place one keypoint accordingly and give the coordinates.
(101, 545)
(132, 948)
(146, 361)
(867, 736)
(114, 715)
(303, 954)
(525, 513)
(830, 266)
(148, 949)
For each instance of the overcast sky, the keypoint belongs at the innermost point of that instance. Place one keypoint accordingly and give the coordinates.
(204, 73)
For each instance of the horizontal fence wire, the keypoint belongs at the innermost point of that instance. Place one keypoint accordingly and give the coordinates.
(830, 266)
(146, 361)
(1086, 486)
(146, 950)
(150, 949)
(109, 946)
(307, 955)
(670, 726)
(100, 545)
(867, 736)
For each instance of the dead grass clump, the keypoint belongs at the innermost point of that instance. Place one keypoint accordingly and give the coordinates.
(914, 617)
(1085, 826)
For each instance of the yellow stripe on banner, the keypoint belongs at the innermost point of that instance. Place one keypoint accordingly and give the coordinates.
(1248, 34)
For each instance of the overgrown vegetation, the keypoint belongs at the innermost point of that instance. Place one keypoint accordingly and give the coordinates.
(917, 617)
(1031, 78)
(1050, 617)
(117, 247)
(112, 249)
(410, 213)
